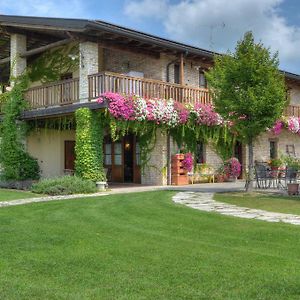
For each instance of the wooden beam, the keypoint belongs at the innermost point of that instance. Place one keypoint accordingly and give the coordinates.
(45, 48)
(181, 74)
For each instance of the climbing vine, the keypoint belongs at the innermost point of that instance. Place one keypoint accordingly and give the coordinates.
(89, 145)
(16, 163)
(51, 64)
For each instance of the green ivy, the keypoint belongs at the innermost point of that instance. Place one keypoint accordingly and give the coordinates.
(89, 145)
(16, 163)
(51, 64)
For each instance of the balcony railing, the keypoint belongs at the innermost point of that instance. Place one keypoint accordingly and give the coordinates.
(58, 93)
(146, 88)
(67, 91)
(292, 110)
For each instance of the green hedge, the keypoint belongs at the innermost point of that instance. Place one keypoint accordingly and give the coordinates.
(89, 145)
(65, 185)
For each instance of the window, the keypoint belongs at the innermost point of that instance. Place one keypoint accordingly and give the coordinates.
(118, 154)
(107, 154)
(176, 73)
(200, 153)
(290, 150)
(273, 149)
(202, 80)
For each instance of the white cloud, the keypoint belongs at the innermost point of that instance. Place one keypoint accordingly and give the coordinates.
(218, 24)
(145, 8)
(43, 8)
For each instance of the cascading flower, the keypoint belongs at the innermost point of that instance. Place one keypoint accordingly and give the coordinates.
(172, 113)
(206, 115)
(140, 109)
(293, 124)
(277, 128)
(182, 111)
(119, 107)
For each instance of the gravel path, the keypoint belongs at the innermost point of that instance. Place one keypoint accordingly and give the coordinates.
(205, 202)
(47, 199)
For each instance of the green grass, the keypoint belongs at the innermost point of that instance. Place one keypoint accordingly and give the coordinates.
(143, 246)
(7, 195)
(265, 201)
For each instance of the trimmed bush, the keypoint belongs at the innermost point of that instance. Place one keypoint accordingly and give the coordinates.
(65, 185)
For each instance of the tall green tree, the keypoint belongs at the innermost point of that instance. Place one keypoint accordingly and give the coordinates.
(248, 90)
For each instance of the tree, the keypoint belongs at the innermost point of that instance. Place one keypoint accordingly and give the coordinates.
(248, 90)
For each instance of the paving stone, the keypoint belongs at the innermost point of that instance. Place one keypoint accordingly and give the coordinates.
(205, 202)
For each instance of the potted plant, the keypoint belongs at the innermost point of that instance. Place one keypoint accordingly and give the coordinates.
(275, 163)
(220, 174)
(232, 168)
(291, 174)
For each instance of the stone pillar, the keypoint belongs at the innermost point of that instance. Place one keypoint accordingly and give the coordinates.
(155, 172)
(17, 46)
(88, 64)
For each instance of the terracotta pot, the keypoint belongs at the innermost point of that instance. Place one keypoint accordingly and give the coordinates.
(293, 188)
(220, 178)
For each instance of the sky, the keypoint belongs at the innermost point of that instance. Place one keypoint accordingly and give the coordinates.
(209, 24)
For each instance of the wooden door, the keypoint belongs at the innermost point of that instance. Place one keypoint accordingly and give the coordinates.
(69, 155)
(122, 159)
(136, 162)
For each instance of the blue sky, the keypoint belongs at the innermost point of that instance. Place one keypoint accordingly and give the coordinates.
(210, 24)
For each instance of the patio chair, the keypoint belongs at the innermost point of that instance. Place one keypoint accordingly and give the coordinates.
(290, 175)
(263, 176)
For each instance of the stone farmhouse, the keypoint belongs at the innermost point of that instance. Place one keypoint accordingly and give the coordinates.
(112, 58)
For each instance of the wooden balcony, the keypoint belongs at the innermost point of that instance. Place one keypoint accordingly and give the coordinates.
(67, 91)
(54, 94)
(292, 110)
(146, 88)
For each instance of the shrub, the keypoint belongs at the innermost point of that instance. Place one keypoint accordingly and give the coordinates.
(65, 185)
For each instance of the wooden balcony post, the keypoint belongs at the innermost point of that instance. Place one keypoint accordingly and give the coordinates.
(181, 74)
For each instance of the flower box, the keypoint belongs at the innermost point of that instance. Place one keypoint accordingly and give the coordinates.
(180, 180)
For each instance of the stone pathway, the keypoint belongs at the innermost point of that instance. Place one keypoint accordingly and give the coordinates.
(205, 202)
(47, 199)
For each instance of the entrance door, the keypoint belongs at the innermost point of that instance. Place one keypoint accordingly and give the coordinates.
(128, 158)
(70, 155)
(122, 159)
(238, 153)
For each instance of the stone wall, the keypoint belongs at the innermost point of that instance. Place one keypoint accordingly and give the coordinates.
(155, 172)
(88, 65)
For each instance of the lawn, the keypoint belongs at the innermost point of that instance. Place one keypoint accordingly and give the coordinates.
(265, 201)
(7, 195)
(143, 246)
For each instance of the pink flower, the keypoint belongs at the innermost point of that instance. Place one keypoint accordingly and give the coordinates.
(188, 162)
(277, 128)
(293, 124)
(232, 167)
